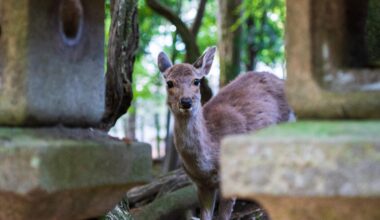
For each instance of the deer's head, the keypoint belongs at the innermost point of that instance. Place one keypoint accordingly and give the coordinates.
(183, 81)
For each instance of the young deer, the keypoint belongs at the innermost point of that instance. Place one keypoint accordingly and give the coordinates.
(251, 102)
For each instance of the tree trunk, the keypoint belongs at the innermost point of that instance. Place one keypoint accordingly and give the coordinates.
(130, 123)
(172, 160)
(251, 46)
(158, 138)
(122, 46)
(229, 45)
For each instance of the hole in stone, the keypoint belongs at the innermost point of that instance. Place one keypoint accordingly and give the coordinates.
(71, 21)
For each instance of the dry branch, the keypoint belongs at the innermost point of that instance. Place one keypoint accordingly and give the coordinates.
(168, 205)
(170, 182)
(173, 194)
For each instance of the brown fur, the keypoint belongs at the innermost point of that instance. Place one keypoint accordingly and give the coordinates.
(252, 101)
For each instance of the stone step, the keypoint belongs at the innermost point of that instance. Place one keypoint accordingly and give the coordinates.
(61, 173)
(307, 170)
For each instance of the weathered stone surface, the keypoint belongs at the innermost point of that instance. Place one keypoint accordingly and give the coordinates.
(320, 208)
(51, 62)
(62, 173)
(327, 169)
(327, 77)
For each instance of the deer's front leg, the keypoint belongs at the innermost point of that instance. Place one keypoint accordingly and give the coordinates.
(225, 208)
(207, 198)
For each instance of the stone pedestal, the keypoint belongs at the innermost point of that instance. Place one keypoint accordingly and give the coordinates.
(51, 62)
(62, 173)
(307, 170)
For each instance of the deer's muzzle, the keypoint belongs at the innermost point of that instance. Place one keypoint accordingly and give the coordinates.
(185, 103)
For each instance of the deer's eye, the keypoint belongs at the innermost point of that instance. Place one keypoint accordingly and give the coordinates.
(196, 82)
(170, 84)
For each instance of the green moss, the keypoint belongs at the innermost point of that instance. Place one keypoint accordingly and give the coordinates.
(323, 129)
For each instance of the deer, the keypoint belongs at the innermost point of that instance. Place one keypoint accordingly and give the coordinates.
(252, 101)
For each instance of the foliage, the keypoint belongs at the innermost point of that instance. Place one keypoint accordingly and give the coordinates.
(150, 26)
(267, 30)
(208, 32)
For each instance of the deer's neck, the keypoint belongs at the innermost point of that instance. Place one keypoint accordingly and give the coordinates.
(194, 144)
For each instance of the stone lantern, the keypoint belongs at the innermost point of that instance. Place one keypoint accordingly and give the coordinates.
(52, 76)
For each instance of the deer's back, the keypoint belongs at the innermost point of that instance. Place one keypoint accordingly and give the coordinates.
(250, 102)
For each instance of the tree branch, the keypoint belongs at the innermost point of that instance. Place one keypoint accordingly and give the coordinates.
(187, 36)
(198, 18)
(170, 182)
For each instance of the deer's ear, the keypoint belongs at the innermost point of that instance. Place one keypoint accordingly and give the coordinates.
(204, 62)
(163, 62)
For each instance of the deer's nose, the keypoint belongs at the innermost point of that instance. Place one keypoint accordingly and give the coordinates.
(185, 103)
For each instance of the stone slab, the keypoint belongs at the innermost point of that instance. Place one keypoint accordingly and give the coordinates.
(60, 173)
(319, 84)
(299, 167)
(51, 62)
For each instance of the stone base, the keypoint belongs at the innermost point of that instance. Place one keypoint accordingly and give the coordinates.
(62, 173)
(307, 170)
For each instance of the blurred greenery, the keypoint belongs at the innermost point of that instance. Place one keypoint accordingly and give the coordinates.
(267, 31)
(265, 36)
